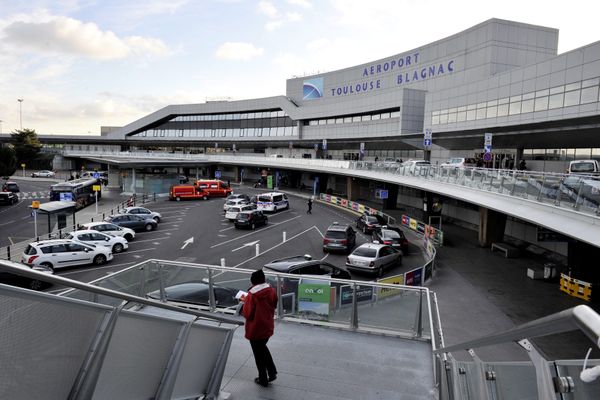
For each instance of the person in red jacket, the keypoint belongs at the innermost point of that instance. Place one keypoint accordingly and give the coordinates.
(259, 310)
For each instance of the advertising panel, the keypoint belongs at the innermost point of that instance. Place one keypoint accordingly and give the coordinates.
(414, 277)
(363, 293)
(393, 280)
(428, 272)
(313, 301)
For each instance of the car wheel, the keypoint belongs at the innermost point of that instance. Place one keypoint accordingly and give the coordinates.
(252, 226)
(117, 248)
(99, 259)
(204, 198)
(237, 227)
(156, 219)
(48, 265)
(380, 272)
(149, 227)
(128, 237)
(177, 198)
(35, 284)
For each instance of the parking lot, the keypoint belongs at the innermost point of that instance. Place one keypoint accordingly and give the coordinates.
(196, 231)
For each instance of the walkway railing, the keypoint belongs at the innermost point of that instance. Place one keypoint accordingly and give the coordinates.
(570, 192)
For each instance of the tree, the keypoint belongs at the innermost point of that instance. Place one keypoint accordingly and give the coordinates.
(8, 161)
(26, 145)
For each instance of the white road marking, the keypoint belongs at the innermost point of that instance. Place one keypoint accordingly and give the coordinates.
(222, 235)
(186, 242)
(274, 247)
(135, 251)
(6, 223)
(246, 245)
(137, 256)
(156, 243)
(169, 223)
(96, 269)
(254, 232)
(149, 240)
(226, 229)
(320, 233)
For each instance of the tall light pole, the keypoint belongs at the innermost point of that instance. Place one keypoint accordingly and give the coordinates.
(1, 126)
(21, 112)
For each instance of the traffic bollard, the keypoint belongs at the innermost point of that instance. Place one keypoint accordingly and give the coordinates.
(222, 262)
(284, 235)
(257, 249)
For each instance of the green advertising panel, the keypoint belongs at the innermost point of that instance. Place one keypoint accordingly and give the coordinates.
(313, 301)
(270, 182)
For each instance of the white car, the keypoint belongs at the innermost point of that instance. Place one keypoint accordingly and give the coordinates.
(234, 202)
(60, 253)
(43, 174)
(373, 258)
(233, 211)
(115, 244)
(143, 212)
(459, 162)
(112, 229)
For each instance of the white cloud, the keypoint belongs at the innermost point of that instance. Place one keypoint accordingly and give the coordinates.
(65, 35)
(301, 3)
(238, 51)
(272, 25)
(293, 16)
(267, 8)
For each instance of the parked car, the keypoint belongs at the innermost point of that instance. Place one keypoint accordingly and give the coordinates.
(10, 186)
(391, 236)
(239, 196)
(183, 179)
(142, 211)
(59, 253)
(234, 202)
(22, 281)
(197, 293)
(182, 192)
(368, 223)
(373, 258)
(415, 165)
(42, 174)
(584, 167)
(102, 175)
(116, 244)
(8, 198)
(214, 187)
(233, 211)
(305, 265)
(250, 219)
(459, 162)
(112, 229)
(133, 221)
(339, 237)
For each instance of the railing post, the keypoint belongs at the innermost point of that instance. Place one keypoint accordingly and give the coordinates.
(539, 196)
(8, 252)
(354, 314)
(161, 285)
(142, 292)
(579, 190)
(419, 317)
(279, 303)
(501, 187)
(211, 293)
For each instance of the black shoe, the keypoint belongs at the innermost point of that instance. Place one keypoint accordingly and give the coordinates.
(272, 378)
(261, 383)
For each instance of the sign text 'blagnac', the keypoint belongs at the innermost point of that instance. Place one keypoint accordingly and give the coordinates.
(409, 72)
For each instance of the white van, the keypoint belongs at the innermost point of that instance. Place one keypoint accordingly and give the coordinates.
(586, 167)
(272, 201)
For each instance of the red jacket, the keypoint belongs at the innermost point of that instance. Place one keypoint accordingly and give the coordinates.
(259, 309)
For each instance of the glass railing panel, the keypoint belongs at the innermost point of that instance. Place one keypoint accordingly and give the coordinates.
(549, 189)
(391, 309)
(511, 380)
(583, 390)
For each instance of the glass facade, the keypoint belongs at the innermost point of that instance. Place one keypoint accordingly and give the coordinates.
(267, 123)
(573, 94)
(562, 154)
(349, 119)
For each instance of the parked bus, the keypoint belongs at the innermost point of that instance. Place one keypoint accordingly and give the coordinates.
(80, 191)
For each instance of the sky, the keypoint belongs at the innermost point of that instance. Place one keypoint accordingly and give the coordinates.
(81, 64)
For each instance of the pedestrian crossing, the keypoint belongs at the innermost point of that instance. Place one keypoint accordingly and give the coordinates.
(33, 195)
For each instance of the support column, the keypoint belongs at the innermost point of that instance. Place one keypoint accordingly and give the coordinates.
(132, 187)
(519, 156)
(236, 174)
(581, 265)
(352, 188)
(491, 226)
(197, 173)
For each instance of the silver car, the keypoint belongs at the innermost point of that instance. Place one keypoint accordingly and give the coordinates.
(373, 258)
(143, 212)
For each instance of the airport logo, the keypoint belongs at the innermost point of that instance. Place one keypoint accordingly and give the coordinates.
(312, 89)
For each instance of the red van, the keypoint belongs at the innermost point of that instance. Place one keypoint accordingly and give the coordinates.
(179, 192)
(214, 187)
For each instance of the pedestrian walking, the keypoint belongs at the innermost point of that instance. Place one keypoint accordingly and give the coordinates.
(259, 310)
(310, 201)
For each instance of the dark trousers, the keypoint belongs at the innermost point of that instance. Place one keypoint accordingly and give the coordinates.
(264, 361)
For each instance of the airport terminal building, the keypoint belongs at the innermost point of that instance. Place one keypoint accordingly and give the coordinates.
(498, 77)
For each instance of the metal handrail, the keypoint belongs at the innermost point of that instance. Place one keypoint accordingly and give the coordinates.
(581, 317)
(30, 273)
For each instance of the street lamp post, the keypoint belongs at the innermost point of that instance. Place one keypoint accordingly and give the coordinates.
(20, 112)
(1, 127)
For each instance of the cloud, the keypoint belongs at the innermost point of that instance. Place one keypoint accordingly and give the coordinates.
(238, 51)
(267, 8)
(70, 36)
(293, 16)
(272, 25)
(301, 3)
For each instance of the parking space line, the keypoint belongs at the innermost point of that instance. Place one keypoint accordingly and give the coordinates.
(149, 240)
(6, 223)
(269, 226)
(170, 223)
(161, 230)
(96, 269)
(274, 247)
(134, 251)
(226, 229)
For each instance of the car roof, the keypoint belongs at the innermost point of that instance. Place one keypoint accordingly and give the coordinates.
(375, 246)
(270, 194)
(338, 227)
(285, 264)
(85, 231)
(51, 241)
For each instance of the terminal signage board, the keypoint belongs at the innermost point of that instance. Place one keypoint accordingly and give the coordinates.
(217, 174)
(427, 138)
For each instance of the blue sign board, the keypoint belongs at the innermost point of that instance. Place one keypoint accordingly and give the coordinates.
(363, 293)
(426, 142)
(96, 175)
(218, 174)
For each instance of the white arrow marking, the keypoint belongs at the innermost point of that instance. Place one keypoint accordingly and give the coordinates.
(190, 240)
(246, 245)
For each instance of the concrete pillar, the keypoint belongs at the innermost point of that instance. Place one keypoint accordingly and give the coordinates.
(236, 174)
(392, 199)
(132, 188)
(197, 173)
(519, 156)
(582, 264)
(352, 188)
(491, 226)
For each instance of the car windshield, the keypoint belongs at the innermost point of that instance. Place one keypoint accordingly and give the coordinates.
(371, 220)
(391, 235)
(243, 216)
(582, 167)
(365, 252)
(265, 199)
(335, 234)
